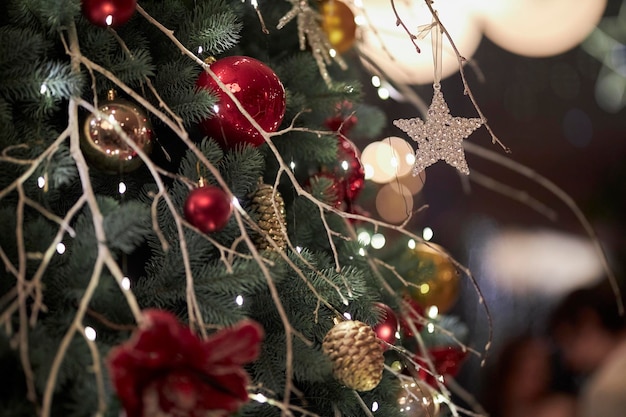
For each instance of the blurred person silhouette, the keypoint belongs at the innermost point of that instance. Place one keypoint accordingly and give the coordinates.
(521, 383)
(591, 335)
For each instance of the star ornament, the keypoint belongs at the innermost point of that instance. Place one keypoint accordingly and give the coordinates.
(440, 137)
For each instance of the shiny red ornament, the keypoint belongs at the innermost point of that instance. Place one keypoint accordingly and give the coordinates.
(208, 208)
(165, 369)
(447, 361)
(259, 91)
(349, 168)
(387, 328)
(341, 125)
(108, 12)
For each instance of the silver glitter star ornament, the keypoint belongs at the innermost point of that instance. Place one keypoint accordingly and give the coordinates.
(440, 137)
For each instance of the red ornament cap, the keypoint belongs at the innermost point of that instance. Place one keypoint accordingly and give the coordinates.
(208, 208)
(108, 12)
(259, 91)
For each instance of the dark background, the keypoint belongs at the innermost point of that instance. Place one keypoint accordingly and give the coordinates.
(545, 111)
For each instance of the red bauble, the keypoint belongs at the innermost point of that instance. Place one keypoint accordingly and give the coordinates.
(336, 192)
(341, 125)
(387, 328)
(349, 168)
(412, 312)
(259, 91)
(447, 361)
(108, 12)
(208, 208)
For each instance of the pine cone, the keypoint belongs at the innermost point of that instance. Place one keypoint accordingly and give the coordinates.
(356, 354)
(269, 218)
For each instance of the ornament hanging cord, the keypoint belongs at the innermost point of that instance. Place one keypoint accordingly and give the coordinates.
(435, 37)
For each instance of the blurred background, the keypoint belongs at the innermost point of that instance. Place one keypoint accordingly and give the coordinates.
(550, 77)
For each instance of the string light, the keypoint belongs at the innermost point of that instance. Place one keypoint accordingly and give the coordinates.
(433, 312)
(43, 89)
(364, 238)
(378, 241)
(383, 93)
(60, 248)
(376, 81)
(41, 182)
(259, 398)
(239, 300)
(90, 333)
(427, 233)
(347, 315)
(375, 406)
(411, 244)
(121, 188)
(126, 283)
(109, 20)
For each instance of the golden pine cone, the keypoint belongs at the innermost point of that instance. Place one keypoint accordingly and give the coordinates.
(268, 217)
(356, 354)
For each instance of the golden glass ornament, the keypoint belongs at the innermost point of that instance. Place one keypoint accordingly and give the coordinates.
(434, 278)
(356, 354)
(338, 24)
(101, 142)
(418, 399)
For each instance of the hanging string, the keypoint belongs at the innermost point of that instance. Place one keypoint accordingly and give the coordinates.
(435, 37)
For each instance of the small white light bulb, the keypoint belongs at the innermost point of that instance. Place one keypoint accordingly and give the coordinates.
(378, 241)
(90, 333)
(383, 93)
(60, 248)
(126, 283)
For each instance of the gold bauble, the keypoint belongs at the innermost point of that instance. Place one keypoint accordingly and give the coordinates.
(338, 24)
(101, 142)
(434, 278)
(356, 354)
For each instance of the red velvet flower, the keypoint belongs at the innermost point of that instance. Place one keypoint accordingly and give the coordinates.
(165, 369)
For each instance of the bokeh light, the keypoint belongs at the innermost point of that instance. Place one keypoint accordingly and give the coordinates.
(539, 28)
(386, 46)
(394, 203)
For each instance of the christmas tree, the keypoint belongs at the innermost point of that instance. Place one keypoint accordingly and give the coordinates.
(179, 205)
